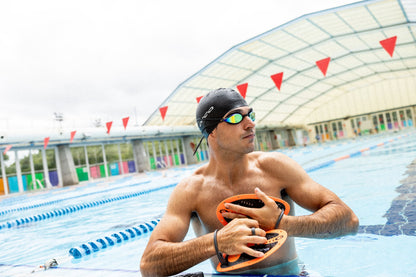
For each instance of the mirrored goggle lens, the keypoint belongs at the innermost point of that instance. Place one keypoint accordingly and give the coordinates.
(252, 116)
(234, 118)
(237, 117)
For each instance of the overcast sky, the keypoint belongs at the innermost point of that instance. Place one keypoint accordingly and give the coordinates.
(90, 59)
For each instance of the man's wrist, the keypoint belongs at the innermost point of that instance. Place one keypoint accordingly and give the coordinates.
(217, 251)
(279, 219)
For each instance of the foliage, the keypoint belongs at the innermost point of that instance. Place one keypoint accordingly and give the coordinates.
(37, 162)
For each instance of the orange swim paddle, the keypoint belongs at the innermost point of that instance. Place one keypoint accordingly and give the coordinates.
(275, 238)
(250, 201)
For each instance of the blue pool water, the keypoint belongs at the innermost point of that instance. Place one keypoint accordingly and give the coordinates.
(377, 184)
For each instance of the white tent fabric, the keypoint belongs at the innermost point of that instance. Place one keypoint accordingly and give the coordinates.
(361, 76)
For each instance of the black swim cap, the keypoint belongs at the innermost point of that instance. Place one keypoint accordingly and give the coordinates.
(214, 105)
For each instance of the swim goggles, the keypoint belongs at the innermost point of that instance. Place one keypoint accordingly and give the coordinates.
(237, 117)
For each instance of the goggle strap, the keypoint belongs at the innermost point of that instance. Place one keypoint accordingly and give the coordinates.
(199, 143)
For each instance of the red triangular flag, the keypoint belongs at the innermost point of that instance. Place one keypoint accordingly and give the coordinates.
(108, 124)
(277, 79)
(243, 89)
(323, 65)
(72, 136)
(8, 147)
(45, 142)
(199, 99)
(163, 111)
(389, 44)
(125, 121)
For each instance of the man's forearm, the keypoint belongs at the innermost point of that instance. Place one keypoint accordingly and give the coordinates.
(332, 220)
(168, 258)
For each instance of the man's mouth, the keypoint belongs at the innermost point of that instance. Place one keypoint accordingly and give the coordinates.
(249, 136)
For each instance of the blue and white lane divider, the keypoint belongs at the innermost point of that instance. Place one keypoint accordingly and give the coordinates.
(110, 240)
(354, 154)
(71, 209)
(65, 199)
(101, 243)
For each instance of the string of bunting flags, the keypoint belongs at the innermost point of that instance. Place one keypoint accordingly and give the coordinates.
(72, 135)
(388, 44)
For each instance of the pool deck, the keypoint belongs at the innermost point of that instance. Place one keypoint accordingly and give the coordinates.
(401, 216)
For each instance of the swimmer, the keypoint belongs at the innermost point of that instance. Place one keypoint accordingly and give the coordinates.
(227, 123)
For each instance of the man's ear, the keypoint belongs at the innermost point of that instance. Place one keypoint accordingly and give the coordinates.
(214, 133)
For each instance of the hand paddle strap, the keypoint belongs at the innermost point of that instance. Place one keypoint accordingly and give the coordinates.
(279, 219)
(219, 255)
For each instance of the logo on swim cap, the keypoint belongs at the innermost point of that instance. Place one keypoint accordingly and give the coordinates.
(208, 112)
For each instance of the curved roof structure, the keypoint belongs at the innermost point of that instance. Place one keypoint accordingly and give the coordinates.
(361, 75)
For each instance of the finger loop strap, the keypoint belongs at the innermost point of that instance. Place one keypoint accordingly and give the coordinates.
(279, 219)
(219, 255)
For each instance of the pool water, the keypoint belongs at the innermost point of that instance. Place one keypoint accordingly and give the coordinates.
(377, 184)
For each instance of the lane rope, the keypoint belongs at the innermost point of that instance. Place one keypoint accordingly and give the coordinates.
(23, 208)
(110, 240)
(67, 210)
(96, 245)
(354, 154)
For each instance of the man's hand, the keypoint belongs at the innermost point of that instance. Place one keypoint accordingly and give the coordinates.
(265, 216)
(234, 237)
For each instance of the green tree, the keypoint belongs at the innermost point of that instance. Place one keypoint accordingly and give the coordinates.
(37, 162)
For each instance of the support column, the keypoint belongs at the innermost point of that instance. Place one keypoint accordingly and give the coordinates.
(165, 142)
(67, 166)
(172, 149)
(154, 153)
(184, 153)
(349, 131)
(87, 162)
(105, 161)
(178, 151)
(58, 167)
(273, 139)
(18, 172)
(140, 156)
(4, 175)
(45, 169)
(291, 139)
(120, 159)
(162, 160)
(188, 151)
(32, 170)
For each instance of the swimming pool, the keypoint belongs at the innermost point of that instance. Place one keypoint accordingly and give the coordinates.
(364, 172)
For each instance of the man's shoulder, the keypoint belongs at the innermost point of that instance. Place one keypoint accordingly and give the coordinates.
(192, 182)
(267, 157)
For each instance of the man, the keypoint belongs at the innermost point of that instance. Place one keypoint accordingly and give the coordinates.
(227, 122)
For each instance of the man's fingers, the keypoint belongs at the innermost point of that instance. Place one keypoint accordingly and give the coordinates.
(253, 252)
(238, 209)
(257, 232)
(232, 215)
(263, 197)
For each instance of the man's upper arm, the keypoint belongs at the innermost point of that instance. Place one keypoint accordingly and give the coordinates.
(174, 224)
(302, 188)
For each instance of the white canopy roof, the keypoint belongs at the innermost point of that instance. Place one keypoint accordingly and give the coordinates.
(361, 76)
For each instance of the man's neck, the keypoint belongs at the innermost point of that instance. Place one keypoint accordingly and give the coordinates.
(228, 167)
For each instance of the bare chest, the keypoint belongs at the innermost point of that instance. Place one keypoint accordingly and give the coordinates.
(215, 193)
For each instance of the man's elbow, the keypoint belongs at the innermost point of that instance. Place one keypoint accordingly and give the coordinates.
(354, 223)
(145, 269)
